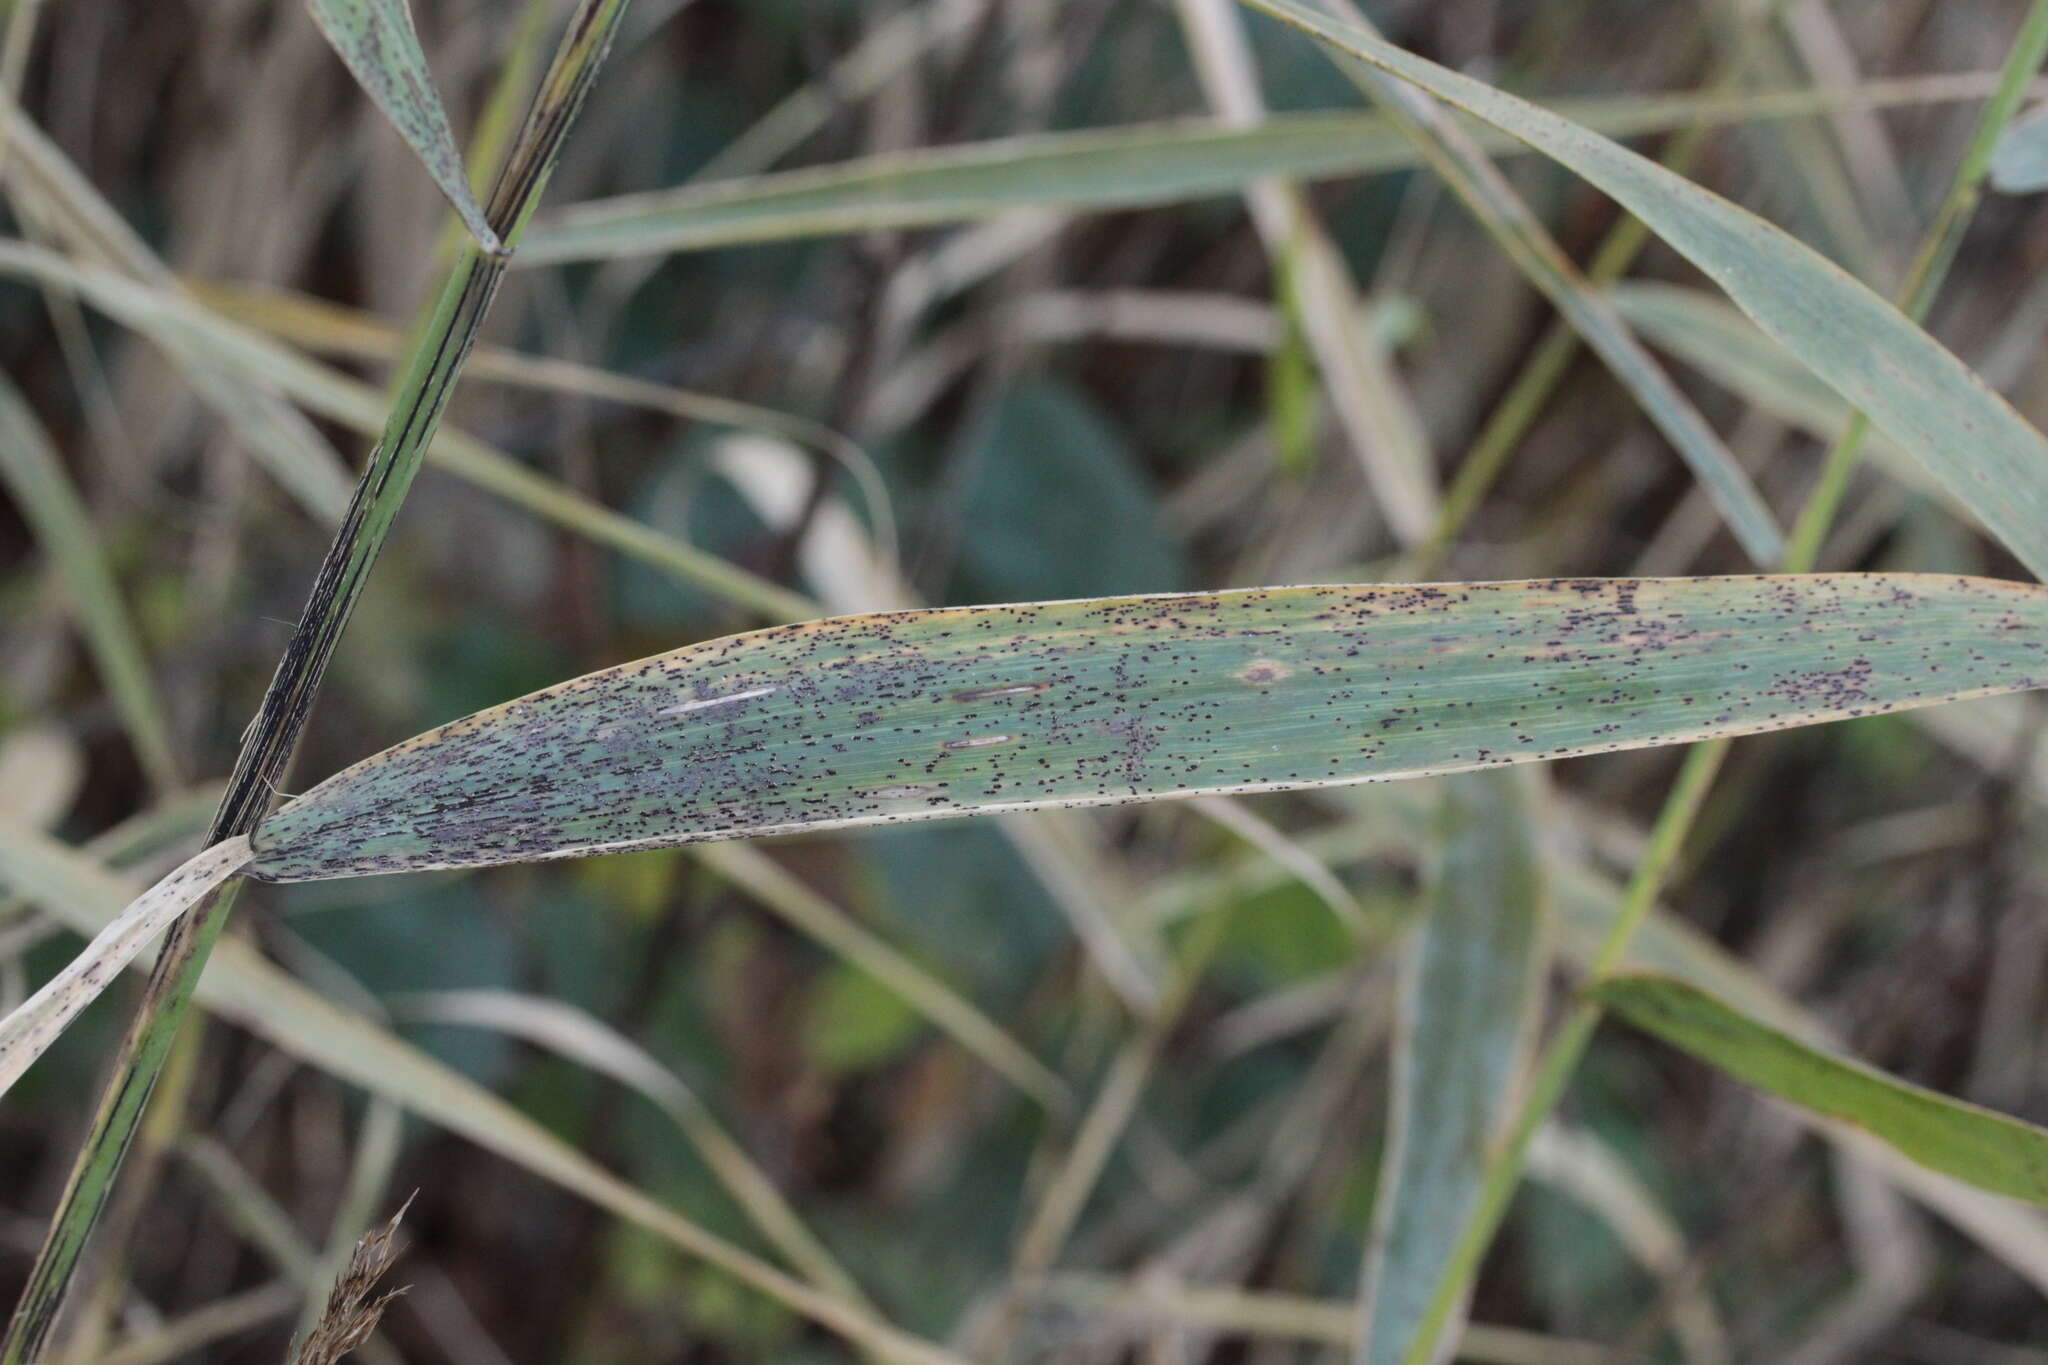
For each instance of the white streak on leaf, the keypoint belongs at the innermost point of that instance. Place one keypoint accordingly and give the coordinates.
(703, 702)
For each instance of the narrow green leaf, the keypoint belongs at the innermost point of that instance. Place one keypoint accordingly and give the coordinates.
(377, 42)
(35, 479)
(916, 715)
(1864, 347)
(1099, 168)
(2019, 163)
(1974, 1144)
(1701, 328)
(1467, 1008)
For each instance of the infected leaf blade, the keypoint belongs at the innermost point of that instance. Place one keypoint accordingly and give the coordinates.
(27, 1032)
(376, 41)
(1977, 1145)
(917, 715)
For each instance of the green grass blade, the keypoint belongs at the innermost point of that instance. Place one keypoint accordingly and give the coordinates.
(1864, 347)
(1462, 164)
(1467, 1010)
(1985, 1148)
(915, 715)
(1106, 168)
(34, 477)
(1701, 328)
(2019, 162)
(377, 42)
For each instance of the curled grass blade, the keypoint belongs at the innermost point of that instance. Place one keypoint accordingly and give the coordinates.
(1987, 1149)
(1467, 1012)
(1864, 347)
(376, 40)
(918, 715)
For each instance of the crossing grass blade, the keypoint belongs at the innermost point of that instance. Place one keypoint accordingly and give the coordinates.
(35, 170)
(1705, 331)
(240, 986)
(917, 715)
(1104, 168)
(184, 328)
(1463, 165)
(1987, 1149)
(377, 42)
(29, 1029)
(1864, 347)
(1466, 1014)
(35, 479)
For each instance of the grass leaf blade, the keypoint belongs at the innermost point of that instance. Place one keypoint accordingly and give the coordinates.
(916, 715)
(1864, 347)
(27, 1032)
(1974, 1144)
(1100, 168)
(1467, 1006)
(376, 40)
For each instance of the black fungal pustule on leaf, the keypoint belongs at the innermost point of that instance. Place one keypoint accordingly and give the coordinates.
(915, 715)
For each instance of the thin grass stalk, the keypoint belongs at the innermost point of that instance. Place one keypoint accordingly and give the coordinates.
(1109, 1114)
(421, 396)
(1703, 761)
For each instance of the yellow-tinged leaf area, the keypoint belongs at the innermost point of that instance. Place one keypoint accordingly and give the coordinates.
(924, 714)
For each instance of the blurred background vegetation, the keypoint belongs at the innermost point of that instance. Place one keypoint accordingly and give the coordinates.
(1044, 403)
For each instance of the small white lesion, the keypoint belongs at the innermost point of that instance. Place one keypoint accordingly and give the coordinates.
(705, 703)
(976, 742)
